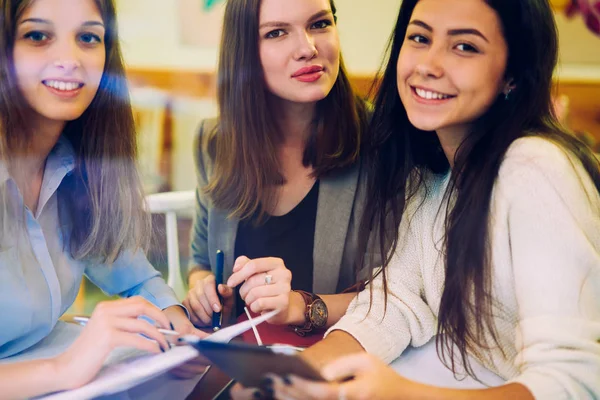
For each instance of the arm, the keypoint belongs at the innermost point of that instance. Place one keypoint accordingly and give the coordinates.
(132, 275)
(113, 324)
(386, 327)
(554, 225)
(30, 379)
(201, 299)
(200, 261)
(337, 304)
(337, 344)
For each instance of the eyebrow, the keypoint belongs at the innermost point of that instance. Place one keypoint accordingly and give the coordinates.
(278, 24)
(47, 22)
(451, 32)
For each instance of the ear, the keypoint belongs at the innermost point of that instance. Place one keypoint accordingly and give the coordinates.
(509, 86)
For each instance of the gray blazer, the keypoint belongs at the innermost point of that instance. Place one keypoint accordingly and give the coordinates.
(339, 209)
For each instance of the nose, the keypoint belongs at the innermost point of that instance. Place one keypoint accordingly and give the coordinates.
(67, 57)
(429, 64)
(67, 65)
(306, 48)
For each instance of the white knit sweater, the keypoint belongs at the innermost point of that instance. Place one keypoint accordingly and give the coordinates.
(545, 243)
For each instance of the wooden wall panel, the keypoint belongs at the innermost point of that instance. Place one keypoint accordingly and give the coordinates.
(584, 96)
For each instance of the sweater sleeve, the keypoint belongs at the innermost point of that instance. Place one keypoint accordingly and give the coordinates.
(554, 229)
(386, 328)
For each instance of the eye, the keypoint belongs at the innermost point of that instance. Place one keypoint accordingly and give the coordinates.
(90, 38)
(418, 39)
(322, 24)
(36, 36)
(467, 48)
(275, 34)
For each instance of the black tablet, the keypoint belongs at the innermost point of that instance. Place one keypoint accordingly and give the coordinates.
(248, 364)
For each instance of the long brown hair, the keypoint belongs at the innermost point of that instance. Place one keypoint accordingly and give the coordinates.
(399, 153)
(243, 147)
(103, 197)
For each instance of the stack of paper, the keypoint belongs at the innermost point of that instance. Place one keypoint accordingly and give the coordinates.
(137, 368)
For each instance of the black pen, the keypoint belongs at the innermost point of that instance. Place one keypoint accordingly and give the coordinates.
(216, 317)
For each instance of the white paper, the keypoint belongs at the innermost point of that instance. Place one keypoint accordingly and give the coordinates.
(129, 371)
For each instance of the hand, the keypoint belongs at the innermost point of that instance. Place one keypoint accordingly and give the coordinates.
(259, 296)
(239, 392)
(373, 379)
(112, 324)
(202, 300)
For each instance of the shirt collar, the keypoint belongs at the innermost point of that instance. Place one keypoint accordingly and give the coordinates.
(61, 155)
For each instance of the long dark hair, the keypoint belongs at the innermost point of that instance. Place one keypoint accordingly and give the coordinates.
(103, 196)
(244, 150)
(400, 155)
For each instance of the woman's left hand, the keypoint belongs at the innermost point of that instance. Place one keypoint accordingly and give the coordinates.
(184, 326)
(373, 379)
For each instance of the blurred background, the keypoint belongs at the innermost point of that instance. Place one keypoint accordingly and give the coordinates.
(171, 50)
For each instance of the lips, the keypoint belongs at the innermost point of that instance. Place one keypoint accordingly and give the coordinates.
(63, 85)
(63, 89)
(313, 69)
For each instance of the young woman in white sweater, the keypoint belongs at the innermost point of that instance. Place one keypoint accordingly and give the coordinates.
(497, 254)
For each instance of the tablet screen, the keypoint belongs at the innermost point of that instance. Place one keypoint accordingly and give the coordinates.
(248, 364)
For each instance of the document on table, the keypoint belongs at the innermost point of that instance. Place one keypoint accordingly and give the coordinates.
(133, 367)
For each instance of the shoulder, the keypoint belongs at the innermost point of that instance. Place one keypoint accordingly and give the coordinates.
(541, 167)
(538, 155)
(207, 131)
(204, 142)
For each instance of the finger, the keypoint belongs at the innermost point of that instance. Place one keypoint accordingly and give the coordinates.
(348, 366)
(196, 321)
(199, 311)
(240, 262)
(210, 292)
(278, 275)
(225, 291)
(268, 291)
(141, 327)
(297, 388)
(203, 300)
(268, 303)
(132, 307)
(239, 392)
(126, 339)
(253, 267)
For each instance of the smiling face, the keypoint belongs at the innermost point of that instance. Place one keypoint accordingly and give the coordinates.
(59, 57)
(299, 49)
(451, 66)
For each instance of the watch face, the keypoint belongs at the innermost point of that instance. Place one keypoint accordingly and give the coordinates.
(318, 313)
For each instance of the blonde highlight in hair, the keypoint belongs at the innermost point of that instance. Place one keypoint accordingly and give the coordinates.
(102, 199)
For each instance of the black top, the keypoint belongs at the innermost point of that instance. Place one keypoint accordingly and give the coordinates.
(289, 237)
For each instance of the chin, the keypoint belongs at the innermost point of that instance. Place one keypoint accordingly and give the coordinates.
(64, 116)
(424, 123)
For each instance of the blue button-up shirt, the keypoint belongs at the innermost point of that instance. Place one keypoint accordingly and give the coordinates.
(39, 279)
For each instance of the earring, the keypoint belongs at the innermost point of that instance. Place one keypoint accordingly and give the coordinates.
(507, 94)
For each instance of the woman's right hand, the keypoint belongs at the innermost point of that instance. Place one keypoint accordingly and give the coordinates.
(112, 324)
(202, 300)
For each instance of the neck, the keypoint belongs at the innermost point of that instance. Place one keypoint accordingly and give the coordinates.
(32, 159)
(294, 121)
(451, 139)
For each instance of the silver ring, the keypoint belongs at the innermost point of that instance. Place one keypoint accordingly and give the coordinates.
(268, 279)
(341, 393)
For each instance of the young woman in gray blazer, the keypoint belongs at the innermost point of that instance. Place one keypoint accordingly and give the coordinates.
(278, 172)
